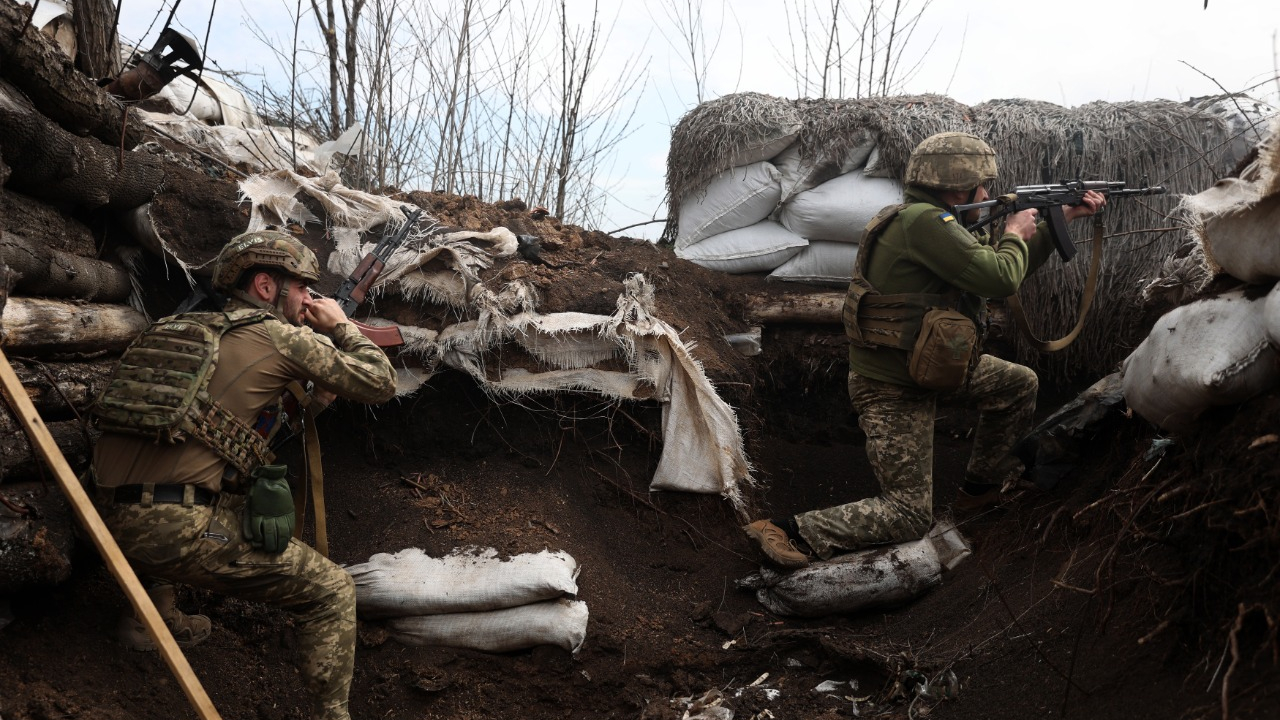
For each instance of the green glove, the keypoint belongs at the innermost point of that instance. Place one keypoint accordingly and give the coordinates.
(268, 514)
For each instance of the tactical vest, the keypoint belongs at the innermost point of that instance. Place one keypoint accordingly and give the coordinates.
(160, 389)
(875, 320)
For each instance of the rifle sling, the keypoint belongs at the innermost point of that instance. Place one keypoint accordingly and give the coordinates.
(314, 477)
(1086, 301)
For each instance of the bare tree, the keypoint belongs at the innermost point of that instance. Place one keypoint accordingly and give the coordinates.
(689, 27)
(841, 48)
(495, 98)
(97, 46)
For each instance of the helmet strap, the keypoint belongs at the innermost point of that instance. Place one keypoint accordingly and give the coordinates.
(282, 297)
(276, 306)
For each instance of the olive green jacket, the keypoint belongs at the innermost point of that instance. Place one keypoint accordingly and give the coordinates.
(925, 249)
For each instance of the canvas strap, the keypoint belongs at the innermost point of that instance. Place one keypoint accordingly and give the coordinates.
(314, 482)
(1086, 301)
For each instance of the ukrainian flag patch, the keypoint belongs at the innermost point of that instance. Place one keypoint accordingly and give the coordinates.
(947, 217)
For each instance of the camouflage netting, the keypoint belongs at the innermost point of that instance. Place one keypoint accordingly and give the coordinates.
(1186, 147)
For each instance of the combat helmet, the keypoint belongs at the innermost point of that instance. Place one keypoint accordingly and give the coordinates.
(951, 161)
(268, 250)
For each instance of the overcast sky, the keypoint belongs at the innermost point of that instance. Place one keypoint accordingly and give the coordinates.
(1066, 53)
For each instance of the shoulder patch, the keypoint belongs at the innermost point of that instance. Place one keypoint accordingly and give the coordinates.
(947, 217)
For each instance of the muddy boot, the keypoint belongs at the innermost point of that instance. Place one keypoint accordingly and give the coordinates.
(973, 499)
(188, 630)
(776, 545)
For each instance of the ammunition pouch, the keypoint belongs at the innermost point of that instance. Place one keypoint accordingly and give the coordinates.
(943, 351)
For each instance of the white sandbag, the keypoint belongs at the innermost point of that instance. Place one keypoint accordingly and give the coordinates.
(411, 582)
(562, 623)
(1210, 352)
(1271, 316)
(802, 173)
(766, 147)
(758, 248)
(822, 263)
(1245, 242)
(861, 580)
(839, 209)
(735, 198)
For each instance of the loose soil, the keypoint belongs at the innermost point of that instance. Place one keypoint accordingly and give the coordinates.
(1074, 603)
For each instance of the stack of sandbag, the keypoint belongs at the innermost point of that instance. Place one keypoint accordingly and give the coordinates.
(724, 220)
(830, 214)
(780, 215)
(764, 184)
(888, 575)
(474, 599)
(1225, 349)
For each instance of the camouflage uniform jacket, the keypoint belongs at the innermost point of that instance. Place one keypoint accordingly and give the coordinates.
(926, 250)
(255, 364)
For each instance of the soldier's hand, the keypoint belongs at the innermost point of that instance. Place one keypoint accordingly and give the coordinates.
(1091, 203)
(323, 314)
(1022, 224)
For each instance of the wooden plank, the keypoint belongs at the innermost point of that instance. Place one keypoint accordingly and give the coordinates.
(107, 547)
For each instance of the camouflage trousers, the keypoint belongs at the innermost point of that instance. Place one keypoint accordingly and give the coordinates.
(898, 421)
(202, 546)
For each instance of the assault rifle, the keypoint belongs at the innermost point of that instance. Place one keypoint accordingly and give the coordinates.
(1049, 199)
(357, 286)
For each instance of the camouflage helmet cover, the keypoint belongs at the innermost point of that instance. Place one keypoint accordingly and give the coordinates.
(951, 161)
(268, 249)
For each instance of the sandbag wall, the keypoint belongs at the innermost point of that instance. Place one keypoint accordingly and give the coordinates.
(763, 184)
(1223, 349)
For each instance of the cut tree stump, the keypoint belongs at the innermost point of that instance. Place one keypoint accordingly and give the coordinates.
(36, 326)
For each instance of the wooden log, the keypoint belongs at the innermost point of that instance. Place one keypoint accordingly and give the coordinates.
(36, 536)
(51, 164)
(52, 273)
(36, 65)
(39, 327)
(821, 308)
(18, 461)
(60, 390)
(45, 224)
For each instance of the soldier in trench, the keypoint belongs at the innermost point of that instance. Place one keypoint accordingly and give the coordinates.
(913, 314)
(207, 508)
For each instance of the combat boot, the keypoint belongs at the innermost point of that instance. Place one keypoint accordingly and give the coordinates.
(971, 503)
(776, 545)
(188, 630)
